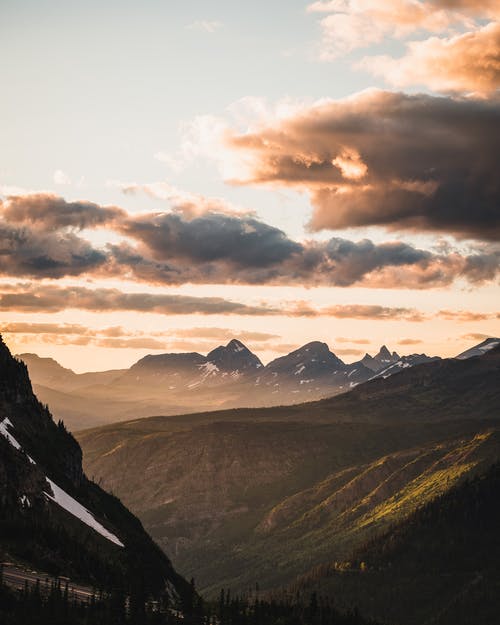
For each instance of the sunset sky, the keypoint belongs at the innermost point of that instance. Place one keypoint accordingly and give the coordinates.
(173, 175)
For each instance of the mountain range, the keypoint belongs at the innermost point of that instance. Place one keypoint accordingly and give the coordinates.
(229, 376)
(271, 493)
(383, 497)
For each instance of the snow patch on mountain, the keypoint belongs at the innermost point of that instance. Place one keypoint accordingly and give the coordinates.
(479, 350)
(61, 498)
(5, 432)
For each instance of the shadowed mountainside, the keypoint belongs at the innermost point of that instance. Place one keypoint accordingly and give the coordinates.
(273, 492)
(51, 515)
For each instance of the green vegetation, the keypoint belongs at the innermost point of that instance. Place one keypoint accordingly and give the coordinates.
(439, 566)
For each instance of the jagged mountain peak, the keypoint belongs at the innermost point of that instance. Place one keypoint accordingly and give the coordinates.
(380, 360)
(234, 356)
(315, 352)
(384, 354)
(236, 345)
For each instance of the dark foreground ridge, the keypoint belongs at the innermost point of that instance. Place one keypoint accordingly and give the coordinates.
(56, 519)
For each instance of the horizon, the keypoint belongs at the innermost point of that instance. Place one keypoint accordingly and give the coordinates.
(316, 171)
(350, 359)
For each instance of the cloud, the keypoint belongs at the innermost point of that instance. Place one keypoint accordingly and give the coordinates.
(468, 62)
(424, 163)
(466, 315)
(41, 254)
(61, 178)
(131, 343)
(31, 298)
(348, 352)
(475, 336)
(224, 334)
(206, 26)
(375, 312)
(351, 24)
(51, 298)
(45, 211)
(409, 342)
(43, 328)
(246, 242)
(170, 248)
(187, 204)
(343, 339)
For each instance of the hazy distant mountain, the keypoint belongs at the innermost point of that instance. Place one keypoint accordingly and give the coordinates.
(229, 376)
(229, 488)
(48, 372)
(479, 350)
(234, 358)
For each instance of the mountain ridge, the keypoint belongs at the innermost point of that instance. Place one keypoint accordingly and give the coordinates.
(228, 376)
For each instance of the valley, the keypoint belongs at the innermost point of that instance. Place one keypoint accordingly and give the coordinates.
(281, 490)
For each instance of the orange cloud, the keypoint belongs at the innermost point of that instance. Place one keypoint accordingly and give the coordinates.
(424, 163)
(351, 24)
(343, 339)
(469, 62)
(409, 342)
(466, 315)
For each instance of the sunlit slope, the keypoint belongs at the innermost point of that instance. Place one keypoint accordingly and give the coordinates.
(438, 566)
(270, 493)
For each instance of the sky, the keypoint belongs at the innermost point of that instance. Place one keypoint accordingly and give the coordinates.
(174, 175)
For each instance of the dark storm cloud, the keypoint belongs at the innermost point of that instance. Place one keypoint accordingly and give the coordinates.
(212, 237)
(402, 161)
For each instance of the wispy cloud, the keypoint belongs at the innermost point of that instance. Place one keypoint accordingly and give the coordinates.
(61, 178)
(351, 24)
(469, 62)
(409, 342)
(32, 298)
(206, 26)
